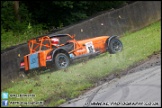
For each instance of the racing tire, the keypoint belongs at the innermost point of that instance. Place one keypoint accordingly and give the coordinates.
(61, 61)
(115, 46)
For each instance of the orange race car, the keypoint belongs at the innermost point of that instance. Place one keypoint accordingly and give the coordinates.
(59, 50)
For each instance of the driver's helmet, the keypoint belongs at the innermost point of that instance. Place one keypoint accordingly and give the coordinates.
(55, 41)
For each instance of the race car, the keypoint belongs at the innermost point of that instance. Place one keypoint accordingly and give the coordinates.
(59, 50)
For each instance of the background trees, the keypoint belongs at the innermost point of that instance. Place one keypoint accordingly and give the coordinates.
(16, 14)
(23, 20)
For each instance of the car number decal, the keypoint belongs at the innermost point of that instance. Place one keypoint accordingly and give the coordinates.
(90, 47)
(33, 61)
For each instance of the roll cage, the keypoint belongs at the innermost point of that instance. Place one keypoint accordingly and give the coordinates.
(44, 42)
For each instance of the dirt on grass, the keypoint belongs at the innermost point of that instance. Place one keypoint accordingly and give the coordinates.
(151, 61)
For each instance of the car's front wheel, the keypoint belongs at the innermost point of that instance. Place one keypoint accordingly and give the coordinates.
(115, 46)
(61, 61)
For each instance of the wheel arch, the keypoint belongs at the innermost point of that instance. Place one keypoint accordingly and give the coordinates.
(108, 41)
(60, 50)
(110, 38)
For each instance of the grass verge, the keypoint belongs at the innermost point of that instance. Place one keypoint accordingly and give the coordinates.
(57, 87)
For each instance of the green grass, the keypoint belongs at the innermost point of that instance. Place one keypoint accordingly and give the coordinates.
(55, 88)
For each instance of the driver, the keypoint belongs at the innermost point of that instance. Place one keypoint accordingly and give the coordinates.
(55, 41)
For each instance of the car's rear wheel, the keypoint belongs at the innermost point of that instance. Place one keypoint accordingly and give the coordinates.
(115, 46)
(61, 61)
